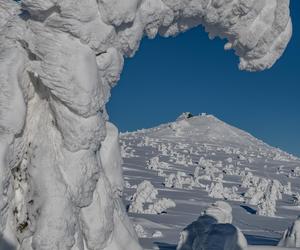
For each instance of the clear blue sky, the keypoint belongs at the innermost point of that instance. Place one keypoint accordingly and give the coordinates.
(192, 73)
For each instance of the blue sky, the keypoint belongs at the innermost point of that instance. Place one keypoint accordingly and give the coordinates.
(192, 73)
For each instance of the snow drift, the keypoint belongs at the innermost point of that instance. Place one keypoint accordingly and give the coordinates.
(60, 177)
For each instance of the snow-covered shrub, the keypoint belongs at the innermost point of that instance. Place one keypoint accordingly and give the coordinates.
(287, 189)
(140, 231)
(218, 191)
(256, 192)
(127, 151)
(157, 234)
(155, 164)
(296, 198)
(128, 185)
(249, 180)
(267, 204)
(160, 206)
(179, 180)
(296, 172)
(266, 207)
(146, 194)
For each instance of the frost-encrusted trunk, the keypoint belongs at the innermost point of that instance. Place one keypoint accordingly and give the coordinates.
(60, 165)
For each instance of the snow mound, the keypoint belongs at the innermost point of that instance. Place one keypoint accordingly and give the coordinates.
(146, 193)
(291, 237)
(140, 231)
(213, 231)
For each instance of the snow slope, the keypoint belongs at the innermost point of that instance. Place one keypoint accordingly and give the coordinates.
(208, 160)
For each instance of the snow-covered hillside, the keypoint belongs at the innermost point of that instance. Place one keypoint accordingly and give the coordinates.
(198, 160)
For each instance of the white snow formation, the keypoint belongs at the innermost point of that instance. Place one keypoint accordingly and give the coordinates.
(291, 237)
(146, 193)
(213, 231)
(58, 61)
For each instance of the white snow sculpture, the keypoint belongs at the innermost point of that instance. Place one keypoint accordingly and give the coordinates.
(256, 192)
(181, 181)
(146, 193)
(155, 164)
(213, 231)
(296, 198)
(160, 206)
(221, 211)
(170, 180)
(295, 172)
(267, 204)
(140, 231)
(266, 207)
(58, 62)
(157, 234)
(218, 191)
(291, 237)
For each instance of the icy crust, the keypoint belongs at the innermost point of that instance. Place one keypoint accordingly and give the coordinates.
(60, 176)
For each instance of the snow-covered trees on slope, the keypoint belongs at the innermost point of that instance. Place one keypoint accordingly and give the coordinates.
(58, 62)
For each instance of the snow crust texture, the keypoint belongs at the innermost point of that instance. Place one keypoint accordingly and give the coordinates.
(60, 176)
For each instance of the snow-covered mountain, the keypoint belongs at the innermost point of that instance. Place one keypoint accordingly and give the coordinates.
(207, 129)
(174, 171)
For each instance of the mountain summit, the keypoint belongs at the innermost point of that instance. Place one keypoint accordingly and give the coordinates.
(208, 129)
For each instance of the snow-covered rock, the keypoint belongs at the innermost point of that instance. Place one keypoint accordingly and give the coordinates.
(213, 231)
(291, 237)
(221, 211)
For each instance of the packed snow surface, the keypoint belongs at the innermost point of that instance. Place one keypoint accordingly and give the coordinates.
(199, 160)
